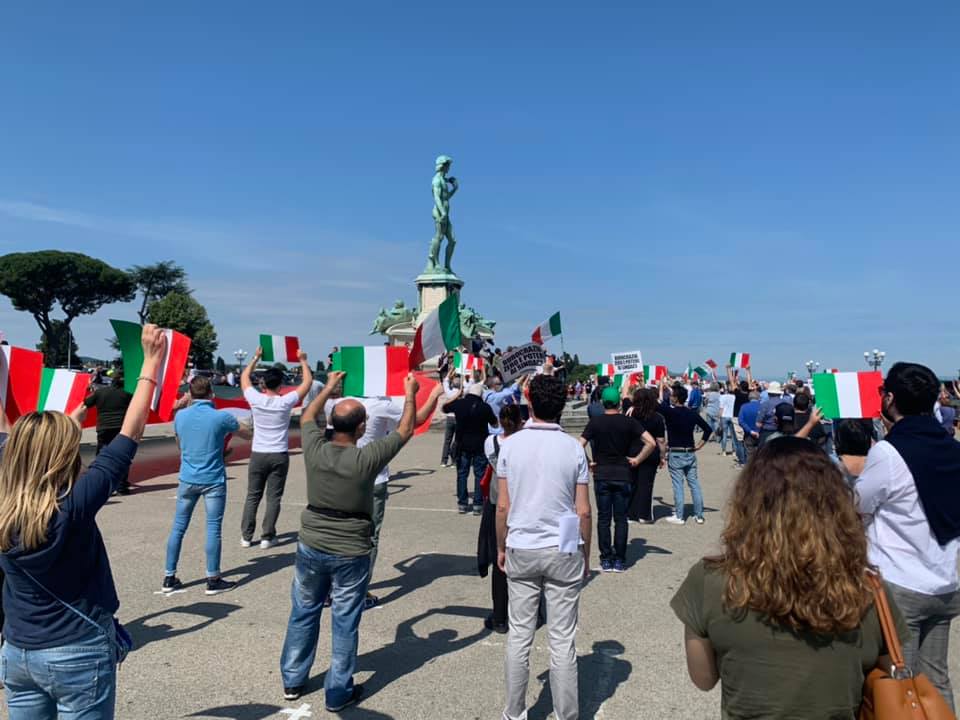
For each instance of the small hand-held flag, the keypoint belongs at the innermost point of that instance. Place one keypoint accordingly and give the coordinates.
(20, 373)
(279, 348)
(547, 329)
(373, 370)
(171, 369)
(62, 390)
(740, 360)
(438, 333)
(848, 394)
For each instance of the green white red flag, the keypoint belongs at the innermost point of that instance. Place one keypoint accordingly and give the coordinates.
(171, 369)
(20, 372)
(279, 348)
(848, 394)
(740, 360)
(62, 390)
(547, 329)
(606, 370)
(438, 333)
(372, 371)
(464, 363)
(654, 372)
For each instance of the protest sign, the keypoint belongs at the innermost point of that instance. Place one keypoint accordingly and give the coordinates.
(522, 360)
(627, 362)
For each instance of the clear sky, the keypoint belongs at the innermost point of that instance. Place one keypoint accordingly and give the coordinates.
(689, 179)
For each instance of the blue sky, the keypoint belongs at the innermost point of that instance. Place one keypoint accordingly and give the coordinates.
(690, 179)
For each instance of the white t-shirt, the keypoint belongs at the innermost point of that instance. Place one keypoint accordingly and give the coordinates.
(271, 420)
(899, 539)
(543, 466)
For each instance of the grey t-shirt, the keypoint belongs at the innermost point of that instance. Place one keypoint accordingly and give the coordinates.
(340, 478)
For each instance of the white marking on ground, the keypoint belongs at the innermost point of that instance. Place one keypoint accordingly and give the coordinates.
(172, 592)
(299, 713)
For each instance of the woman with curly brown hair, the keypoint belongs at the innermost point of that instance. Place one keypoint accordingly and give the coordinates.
(784, 618)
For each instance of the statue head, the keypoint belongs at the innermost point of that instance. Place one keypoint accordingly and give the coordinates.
(399, 305)
(443, 162)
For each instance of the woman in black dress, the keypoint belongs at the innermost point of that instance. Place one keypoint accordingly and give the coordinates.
(644, 408)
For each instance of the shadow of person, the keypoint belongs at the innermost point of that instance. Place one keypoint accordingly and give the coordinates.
(206, 612)
(411, 473)
(409, 652)
(250, 711)
(638, 549)
(666, 509)
(599, 675)
(421, 570)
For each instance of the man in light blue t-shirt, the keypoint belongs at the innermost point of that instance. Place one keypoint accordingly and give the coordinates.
(201, 431)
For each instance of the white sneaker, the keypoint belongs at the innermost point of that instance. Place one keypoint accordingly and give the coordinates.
(674, 520)
(267, 544)
(245, 543)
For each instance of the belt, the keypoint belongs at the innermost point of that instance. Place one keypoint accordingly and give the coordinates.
(339, 514)
(679, 449)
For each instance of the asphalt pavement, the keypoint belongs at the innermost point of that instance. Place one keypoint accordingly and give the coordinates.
(424, 653)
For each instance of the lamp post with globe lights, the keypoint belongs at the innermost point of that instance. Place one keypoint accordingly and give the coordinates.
(812, 367)
(875, 358)
(240, 355)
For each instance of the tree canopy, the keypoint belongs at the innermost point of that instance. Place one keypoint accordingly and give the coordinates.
(156, 281)
(37, 282)
(178, 311)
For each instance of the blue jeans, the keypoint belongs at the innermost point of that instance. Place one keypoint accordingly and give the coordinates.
(214, 499)
(727, 425)
(613, 498)
(713, 421)
(465, 461)
(318, 574)
(73, 682)
(739, 449)
(683, 465)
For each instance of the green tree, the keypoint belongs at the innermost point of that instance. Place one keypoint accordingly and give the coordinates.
(180, 312)
(157, 281)
(60, 354)
(37, 282)
(221, 366)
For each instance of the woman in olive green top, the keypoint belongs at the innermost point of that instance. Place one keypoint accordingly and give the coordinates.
(784, 619)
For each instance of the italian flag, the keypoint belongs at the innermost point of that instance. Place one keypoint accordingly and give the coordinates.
(438, 333)
(739, 360)
(171, 369)
(696, 372)
(848, 394)
(62, 390)
(20, 372)
(711, 363)
(547, 330)
(465, 363)
(372, 371)
(606, 369)
(654, 372)
(279, 348)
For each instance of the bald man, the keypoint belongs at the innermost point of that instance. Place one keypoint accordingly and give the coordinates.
(336, 528)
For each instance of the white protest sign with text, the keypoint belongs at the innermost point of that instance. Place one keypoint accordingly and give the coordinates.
(627, 362)
(522, 360)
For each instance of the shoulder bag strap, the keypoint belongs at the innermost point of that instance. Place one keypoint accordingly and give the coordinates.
(890, 636)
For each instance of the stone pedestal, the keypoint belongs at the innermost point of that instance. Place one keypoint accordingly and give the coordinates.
(432, 289)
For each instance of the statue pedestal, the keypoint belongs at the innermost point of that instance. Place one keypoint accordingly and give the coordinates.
(433, 287)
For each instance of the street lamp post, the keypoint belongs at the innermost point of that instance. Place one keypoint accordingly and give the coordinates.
(240, 355)
(812, 367)
(875, 358)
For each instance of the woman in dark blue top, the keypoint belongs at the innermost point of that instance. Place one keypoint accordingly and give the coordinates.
(57, 663)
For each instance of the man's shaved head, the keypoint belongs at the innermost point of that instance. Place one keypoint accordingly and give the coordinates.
(347, 416)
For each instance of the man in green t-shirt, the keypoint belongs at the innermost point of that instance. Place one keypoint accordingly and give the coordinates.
(333, 555)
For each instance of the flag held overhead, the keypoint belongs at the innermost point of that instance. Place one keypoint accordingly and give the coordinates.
(438, 333)
(171, 370)
(279, 348)
(547, 329)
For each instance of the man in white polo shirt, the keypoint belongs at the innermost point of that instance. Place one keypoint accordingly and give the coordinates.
(542, 507)
(909, 493)
(269, 457)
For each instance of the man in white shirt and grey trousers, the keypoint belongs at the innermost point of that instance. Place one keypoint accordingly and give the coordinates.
(909, 492)
(542, 476)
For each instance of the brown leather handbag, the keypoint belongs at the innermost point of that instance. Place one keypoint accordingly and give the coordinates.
(898, 694)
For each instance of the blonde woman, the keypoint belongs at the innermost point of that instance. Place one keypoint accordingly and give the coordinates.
(60, 651)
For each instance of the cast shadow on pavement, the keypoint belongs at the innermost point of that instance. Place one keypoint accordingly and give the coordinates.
(664, 509)
(637, 550)
(420, 570)
(260, 711)
(206, 613)
(409, 652)
(412, 473)
(599, 675)
(259, 566)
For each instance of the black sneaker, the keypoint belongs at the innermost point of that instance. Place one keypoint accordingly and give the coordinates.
(371, 601)
(293, 693)
(171, 583)
(463, 509)
(489, 624)
(354, 699)
(218, 585)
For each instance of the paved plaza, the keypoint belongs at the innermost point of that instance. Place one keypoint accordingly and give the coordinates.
(424, 653)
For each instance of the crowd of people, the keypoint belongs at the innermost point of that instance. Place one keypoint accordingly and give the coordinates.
(783, 617)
